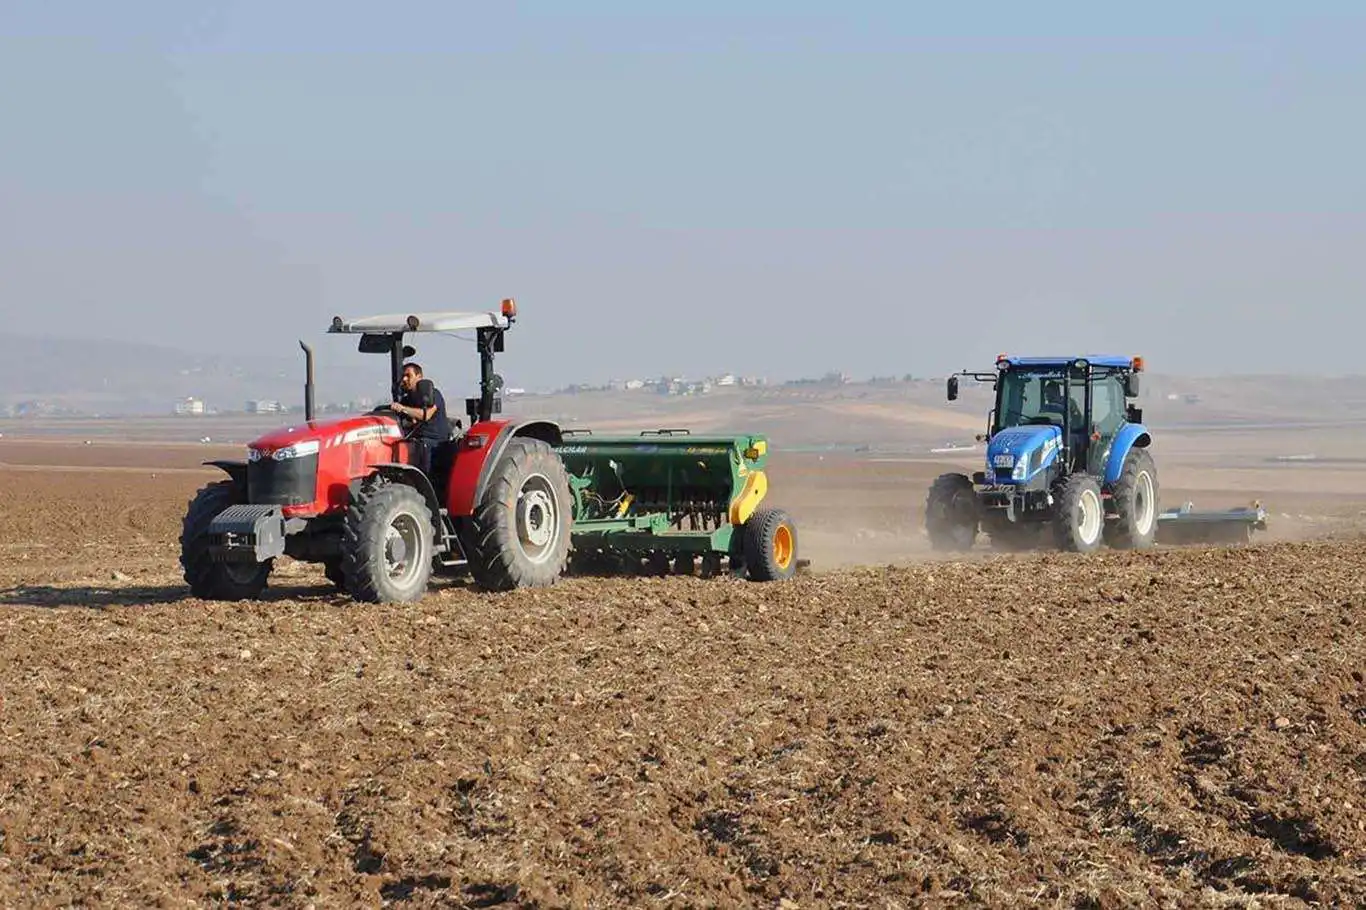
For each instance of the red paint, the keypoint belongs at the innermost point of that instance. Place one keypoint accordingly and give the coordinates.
(470, 457)
(341, 461)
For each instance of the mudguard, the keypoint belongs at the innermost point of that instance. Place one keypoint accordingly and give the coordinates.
(237, 470)
(1129, 436)
(479, 450)
(407, 474)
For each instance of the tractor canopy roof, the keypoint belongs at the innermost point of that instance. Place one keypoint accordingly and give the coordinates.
(446, 321)
(1099, 360)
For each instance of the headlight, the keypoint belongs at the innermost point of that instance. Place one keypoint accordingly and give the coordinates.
(1021, 468)
(297, 450)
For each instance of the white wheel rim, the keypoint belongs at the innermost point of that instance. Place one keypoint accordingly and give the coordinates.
(1144, 508)
(402, 548)
(538, 526)
(1089, 526)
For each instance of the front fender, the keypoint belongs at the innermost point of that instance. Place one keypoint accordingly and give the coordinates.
(1129, 436)
(407, 474)
(237, 470)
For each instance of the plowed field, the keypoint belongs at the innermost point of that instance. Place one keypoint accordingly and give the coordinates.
(1185, 727)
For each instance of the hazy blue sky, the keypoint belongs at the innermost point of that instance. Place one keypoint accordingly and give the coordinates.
(781, 188)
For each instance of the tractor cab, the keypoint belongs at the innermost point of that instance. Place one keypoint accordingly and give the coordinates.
(1079, 406)
(385, 335)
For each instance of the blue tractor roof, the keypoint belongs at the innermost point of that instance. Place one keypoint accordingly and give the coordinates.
(1100, 360)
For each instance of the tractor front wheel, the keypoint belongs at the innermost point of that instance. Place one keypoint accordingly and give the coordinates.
(1079, 524)
(1135, 499)
(951, 515)
(208, 579)
(387, 547)
(520, 529)
(769, 544)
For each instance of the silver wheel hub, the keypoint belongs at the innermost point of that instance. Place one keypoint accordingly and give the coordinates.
(402, 546)
(538, 529)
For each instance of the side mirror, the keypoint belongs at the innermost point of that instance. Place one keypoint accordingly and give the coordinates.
(1131, 385)
(953, 388)
(409, 351)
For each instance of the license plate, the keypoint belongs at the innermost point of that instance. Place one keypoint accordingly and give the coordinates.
(1004, 461)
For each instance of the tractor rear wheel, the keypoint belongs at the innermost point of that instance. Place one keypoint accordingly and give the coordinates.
(1135, 499)
(951, 516)
(519, 532)
(208, 579)
(1079, 523)
(387, 548)
(769, 543)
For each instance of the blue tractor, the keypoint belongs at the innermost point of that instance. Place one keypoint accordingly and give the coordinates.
(1067, 459)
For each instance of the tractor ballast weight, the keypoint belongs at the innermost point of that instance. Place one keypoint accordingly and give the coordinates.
(668, 501)
(1066, 458)
(346, 492)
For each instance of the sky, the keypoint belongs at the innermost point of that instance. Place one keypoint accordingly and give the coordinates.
(771, 189)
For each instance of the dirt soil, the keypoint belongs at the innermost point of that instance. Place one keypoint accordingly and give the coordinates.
(1184, 727)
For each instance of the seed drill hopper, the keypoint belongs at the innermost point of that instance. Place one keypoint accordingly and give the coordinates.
(666, 501)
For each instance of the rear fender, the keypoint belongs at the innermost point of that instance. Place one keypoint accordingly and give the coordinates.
(411, 476)
(237, 470)
(478, 452)
(1131, 435)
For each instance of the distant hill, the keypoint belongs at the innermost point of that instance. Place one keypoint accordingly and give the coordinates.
(93, 378)
(98, 377)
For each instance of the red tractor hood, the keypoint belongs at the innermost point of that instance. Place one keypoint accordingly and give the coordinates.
(343, 431)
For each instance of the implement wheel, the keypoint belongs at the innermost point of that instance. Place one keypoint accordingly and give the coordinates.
(769, 544)
(210, 580)
(1079, 522)
(520, 529)
(1135, 499)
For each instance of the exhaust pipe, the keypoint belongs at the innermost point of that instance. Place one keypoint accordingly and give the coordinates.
(308, 381)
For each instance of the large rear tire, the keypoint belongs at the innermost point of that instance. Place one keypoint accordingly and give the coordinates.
(1079, 523)
(208, 579)
(1135, 499)
(951, 513)
(387, 547)
(519, 533)
(769, 543)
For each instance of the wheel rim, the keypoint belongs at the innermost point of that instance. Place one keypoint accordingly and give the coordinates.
(1144, 507)
(782, 546)
(538, 526)
(1088, 516)
(402, 548)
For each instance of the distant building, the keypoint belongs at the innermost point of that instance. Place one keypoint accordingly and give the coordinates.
(263, 406)
(190, 406)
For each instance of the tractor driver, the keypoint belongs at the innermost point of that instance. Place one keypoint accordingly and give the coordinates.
(1055, 402)
(422, 401)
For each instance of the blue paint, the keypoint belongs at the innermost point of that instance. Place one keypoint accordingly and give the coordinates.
(1129, 435)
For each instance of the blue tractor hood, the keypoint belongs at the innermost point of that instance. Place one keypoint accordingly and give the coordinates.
(1017, 455)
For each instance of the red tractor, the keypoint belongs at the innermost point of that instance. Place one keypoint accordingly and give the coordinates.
(345, 493)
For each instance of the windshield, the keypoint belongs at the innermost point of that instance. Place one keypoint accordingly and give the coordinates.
(1036, 397)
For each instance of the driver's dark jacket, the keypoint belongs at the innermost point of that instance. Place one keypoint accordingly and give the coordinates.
(423, 395)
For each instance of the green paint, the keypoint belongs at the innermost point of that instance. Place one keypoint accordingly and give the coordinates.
(680, 488)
